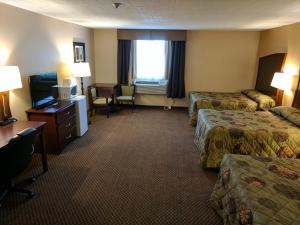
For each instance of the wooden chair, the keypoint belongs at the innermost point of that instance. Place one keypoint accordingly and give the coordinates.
(98, 100)
(127, 95)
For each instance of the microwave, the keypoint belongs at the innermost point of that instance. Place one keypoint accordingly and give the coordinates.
(67, 92)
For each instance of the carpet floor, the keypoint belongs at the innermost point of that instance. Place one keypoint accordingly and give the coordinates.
(133, 168)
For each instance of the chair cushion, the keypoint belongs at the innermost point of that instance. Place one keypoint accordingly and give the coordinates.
(101, 101)
(127, 90)
(125, 98)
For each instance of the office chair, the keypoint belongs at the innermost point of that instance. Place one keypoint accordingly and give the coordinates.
(14, 159)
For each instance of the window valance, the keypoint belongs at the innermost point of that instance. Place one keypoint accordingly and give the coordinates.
(170, 35)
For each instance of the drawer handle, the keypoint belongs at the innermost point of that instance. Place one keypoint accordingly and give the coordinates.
(69, 136)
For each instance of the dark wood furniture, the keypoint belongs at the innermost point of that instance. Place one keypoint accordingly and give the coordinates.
(10, 130)
(296, 100)
(15, 157)
(61, 124)
(98, 101)
(127, 95)
(267, 66)
(108, 90)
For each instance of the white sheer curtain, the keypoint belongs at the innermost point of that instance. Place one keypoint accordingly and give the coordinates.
(150, 60)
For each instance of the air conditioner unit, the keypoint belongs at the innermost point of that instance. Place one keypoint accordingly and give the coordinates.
(148, 82)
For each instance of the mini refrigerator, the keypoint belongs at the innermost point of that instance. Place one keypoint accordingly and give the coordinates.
(81, 114)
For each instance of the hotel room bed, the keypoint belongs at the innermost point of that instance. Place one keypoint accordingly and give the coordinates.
(258, 191)
(262, 133)
(249, 100)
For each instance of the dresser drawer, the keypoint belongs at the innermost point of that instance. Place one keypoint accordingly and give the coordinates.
(67, 132)
(65, 114)
(61, 124)
(68, 123)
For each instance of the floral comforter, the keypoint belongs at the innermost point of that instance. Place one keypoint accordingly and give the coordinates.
(261, 133)
(218, 101)
(258, 191)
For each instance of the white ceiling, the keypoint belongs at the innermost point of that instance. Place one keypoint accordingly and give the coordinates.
(169, 14)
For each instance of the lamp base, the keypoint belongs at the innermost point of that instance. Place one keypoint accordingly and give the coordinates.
(4, 106)
(7, 121)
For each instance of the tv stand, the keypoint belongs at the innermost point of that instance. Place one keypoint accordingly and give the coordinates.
(61, 124)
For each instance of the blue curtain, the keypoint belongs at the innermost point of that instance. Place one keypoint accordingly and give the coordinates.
(176, 85)
(124, 48)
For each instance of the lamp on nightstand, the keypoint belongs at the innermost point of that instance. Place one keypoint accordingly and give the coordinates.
(283, 82)
(80, 70)
(10, 79)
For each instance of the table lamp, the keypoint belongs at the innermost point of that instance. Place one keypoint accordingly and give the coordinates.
(10, 79)
(283, 82)
(80, 70)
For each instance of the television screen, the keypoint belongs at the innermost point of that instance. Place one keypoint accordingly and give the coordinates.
(43, 89)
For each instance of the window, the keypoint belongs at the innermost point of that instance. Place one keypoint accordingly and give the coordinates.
(150, 60)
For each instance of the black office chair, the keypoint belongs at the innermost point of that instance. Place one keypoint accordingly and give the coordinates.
(14, 159)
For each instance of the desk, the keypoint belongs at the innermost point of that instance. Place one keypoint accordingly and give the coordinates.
(108, 89)
(104, 90)
(8, 131)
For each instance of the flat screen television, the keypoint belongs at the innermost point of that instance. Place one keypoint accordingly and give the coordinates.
(43, 89)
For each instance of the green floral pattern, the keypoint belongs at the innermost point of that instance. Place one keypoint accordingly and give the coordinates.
(265, 102)
(290, 113)
(260, 133)
(218, 101)
(252, 193)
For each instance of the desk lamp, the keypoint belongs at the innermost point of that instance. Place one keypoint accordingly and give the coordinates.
(10, 79)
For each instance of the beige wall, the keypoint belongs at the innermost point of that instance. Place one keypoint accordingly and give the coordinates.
(221, 60)
(105, 44)
(283, 39)
(215, 61)
(37, 44)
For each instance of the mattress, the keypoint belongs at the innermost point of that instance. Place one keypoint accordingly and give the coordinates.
(258, 191)
(260, 133)
(218, 101)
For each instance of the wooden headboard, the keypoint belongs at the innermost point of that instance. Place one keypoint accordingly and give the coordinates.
(296, 101)
(267, 66)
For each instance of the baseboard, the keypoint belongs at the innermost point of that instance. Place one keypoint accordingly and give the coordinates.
(160, 106)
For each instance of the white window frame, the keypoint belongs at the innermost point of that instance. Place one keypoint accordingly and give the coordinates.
(145, 81)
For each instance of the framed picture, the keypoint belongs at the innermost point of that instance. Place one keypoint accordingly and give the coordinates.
(79, 52)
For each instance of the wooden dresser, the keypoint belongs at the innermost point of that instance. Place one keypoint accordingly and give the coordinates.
(61, 124)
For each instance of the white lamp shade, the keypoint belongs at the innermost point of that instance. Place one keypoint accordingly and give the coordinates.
(80, 69)
(282, 81)
(10, 78)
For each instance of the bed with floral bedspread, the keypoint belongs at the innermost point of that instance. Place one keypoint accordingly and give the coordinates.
(253, 190)
(262, 133)
(247, 100)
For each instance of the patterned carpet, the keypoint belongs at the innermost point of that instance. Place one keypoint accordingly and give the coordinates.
(133, 168)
